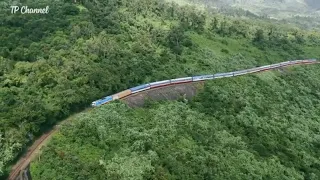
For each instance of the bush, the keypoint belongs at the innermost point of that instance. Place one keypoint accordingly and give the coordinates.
(225, 51)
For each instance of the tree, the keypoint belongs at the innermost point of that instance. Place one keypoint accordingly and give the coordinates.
(259, 36)
(175, 39)
(214, 24)
(224, 29)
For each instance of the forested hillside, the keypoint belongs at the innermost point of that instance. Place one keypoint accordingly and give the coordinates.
(263, 126)
(55, 64)
(304, 13)
(273, 8)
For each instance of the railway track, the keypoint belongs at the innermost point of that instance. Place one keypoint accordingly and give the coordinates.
(26, 159)
(24, 162)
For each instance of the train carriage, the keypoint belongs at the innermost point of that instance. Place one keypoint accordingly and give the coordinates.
(292, 62)
(285, 63)
(263, 68)
(229, 74)
(273, 66)
(202, 78)
(296, 62)
(238, 73)
(140, 88)
(180, 80)
(159, 83)
(308, 61)
(222, 75)
(122, 94)
(253, 70)
(218, 75)
(299, 61)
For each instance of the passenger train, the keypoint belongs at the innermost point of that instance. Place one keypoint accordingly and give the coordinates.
(157, 84)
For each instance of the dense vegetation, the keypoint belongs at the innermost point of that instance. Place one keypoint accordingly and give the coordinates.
(263, 126)
(56, 64)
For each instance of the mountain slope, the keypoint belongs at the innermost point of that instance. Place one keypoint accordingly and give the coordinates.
(55, 65)
(272, 8)
(262, 126)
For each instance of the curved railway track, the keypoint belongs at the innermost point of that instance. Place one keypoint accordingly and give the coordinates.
(28, 157)
(25, 160)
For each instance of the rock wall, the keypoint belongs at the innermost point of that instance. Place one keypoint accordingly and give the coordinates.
(173, 92)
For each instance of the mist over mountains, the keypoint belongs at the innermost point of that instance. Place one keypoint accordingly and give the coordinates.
(313, 4)
(273, 8)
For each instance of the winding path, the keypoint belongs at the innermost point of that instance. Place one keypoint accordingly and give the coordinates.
(24, 162)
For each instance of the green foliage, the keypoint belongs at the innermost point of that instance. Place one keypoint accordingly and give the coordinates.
(54, 65)
(262, 126)
(259, 37)
(225, 51)
(274, 112)
(7, 147)
(177, 40)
